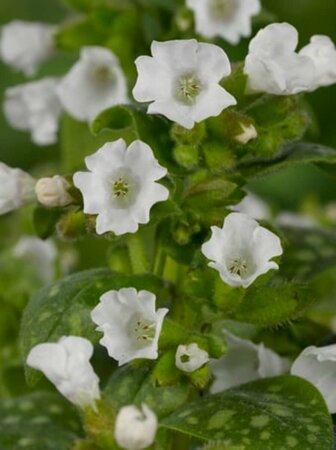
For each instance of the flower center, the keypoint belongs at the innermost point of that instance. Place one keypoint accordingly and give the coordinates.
(124, 186)
(222, 9)
(103, 74)
(237, 266)
(143, 330)
(188, 87)
(120, 188)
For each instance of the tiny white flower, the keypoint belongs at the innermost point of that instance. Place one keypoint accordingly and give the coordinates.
(241, 250)
(121, 186)
(135, 428)
(272, 64)
(318, 366)
(95, 82)
(34, 107)
(181, 80)
(229, 19)
(38, 253)
(322, 52)
(253, 206)
(17, 188)
(67, 365)
(26, 45)
(189, 358)
(244, 361)
(248, 134)
(130, 324)
(53, 191)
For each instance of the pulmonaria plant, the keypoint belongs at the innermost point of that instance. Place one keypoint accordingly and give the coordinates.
(35, 107)
(94, 83)
(26, 45)
(66, 364)
(241, 250)
(17, 188)
(273, 65)
(130, 324)
(244, 361)
(143, 198)
(229, 19)
(181, 80)
(121, 186)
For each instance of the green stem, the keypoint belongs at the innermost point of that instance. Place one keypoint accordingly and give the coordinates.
(160, 261)
(137, 253)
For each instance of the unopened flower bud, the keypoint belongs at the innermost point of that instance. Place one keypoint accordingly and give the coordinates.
(249, 132)
(52, 191)
(135, 428)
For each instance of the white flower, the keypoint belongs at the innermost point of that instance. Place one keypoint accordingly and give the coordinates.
(322, 52)
(241, 250)
(248, 134)
(121, 186)
(53, 191)
(17, 188)
(273, 66)
(66, 364)
(130, 324)
(95, 82)
(34, 107)
(244, 361)
(26, 45)
(318, 366)
(190, 357)
(253, 206)
(290, 219)
(38, 253)
(229, 19)
(135, 428)
(182, 80)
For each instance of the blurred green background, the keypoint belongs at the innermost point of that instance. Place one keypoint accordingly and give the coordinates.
(286, 189)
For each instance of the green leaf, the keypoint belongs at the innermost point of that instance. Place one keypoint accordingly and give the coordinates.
(64, 307)
(40, 421)
(88, 5)
(79, 33)
(293, 154)
(138, 385)
(131, 123)
(276, 413)
(45, 220)
(274, 304)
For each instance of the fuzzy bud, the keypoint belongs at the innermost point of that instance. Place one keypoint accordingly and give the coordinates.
(52, 191)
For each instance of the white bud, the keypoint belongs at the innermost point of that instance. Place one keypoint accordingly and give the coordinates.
(190, 357)
(249, 132)
(135, 428)
(52, 191)
(17, 188)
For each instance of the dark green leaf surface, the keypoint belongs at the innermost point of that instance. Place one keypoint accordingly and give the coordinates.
(40, 421)
(280, 413)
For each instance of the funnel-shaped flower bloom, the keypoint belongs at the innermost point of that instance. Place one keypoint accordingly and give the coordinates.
(229, 19)
(121, 187)
(272, 64)
(181, 80)
(135, 428)
(130, 324)
(26, 45)
(190, 357)
(241, 250)
(34, 107)
(95, 82)
(17, 188)
(66, 364)
(245, 361)
(318, 366)
(322, 52)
